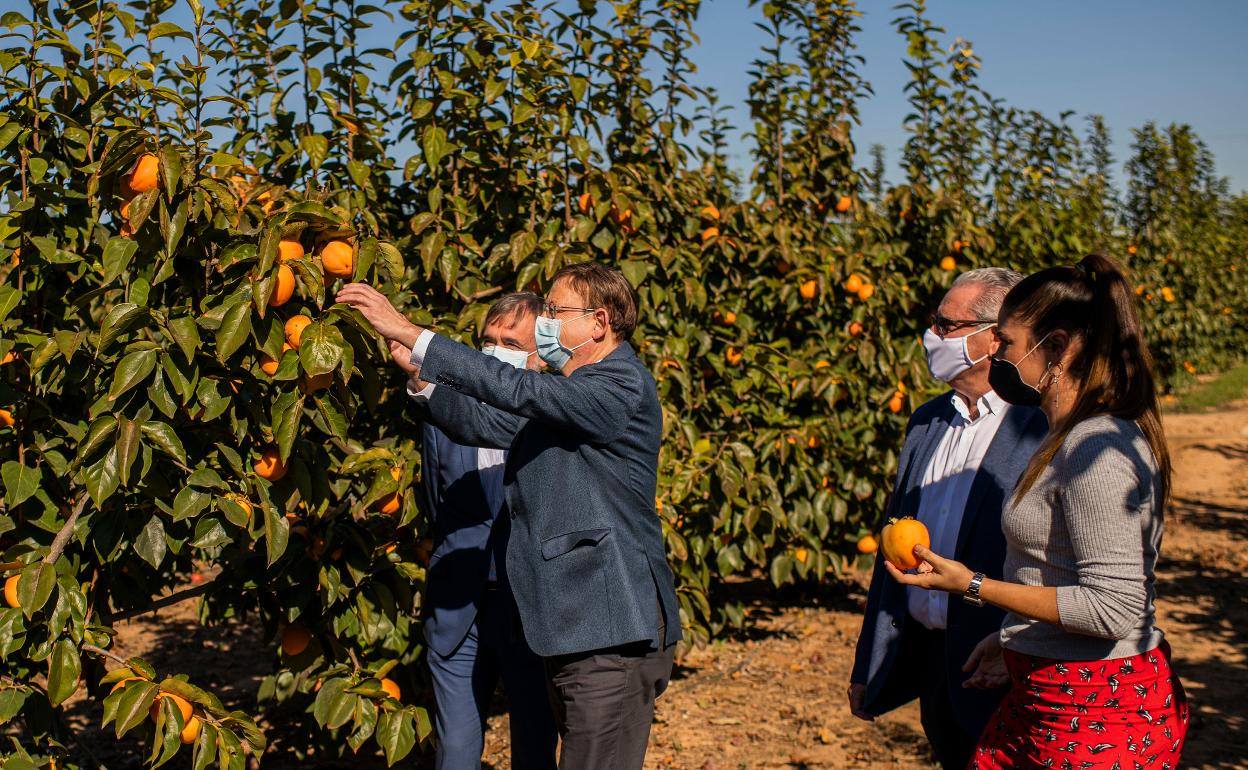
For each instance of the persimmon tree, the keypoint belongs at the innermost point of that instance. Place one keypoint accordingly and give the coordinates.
(185, 185)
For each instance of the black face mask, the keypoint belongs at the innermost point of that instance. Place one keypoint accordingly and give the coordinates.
(1004, 378)
(1007, 381)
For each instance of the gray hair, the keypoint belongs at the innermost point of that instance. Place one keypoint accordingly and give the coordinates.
(513, 304)
(996, 281)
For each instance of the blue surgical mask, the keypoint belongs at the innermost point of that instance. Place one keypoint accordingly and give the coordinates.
(550, 347)
(517, 358)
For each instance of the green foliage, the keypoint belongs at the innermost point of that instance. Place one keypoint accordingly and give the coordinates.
(480, 152)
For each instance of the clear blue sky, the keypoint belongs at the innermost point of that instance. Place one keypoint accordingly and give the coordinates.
(1129, 60)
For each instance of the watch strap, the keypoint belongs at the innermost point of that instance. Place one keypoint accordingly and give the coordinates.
(971, 596)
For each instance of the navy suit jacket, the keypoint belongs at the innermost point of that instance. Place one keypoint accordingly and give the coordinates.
(465, 532)
(893, 680)
(585, 554)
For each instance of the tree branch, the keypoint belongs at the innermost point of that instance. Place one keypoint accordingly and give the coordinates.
(67, 531)
(91, 648)
(165, 601)
(476, 295)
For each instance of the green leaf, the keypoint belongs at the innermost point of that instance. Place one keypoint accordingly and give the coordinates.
(635, 272)
(10, 298)
(64, 668)
(320, 349)
(132, 370)
(209, 533)
(366, 256)
(314, 213)
(167, 29)
(287, 412)
(118, 320)
(433, 143)
(170, 173)
(317, 148)
(781, 570)
(185, 333)
(391, 260)
(117, 255)
(189, 502)
(127, 447)
(150, 544)
(330, 700)
(136, 701)
(448, 267)
(276, 533)
(34, 588)
(20, 483)
(102, 478)
(165, 438)
(11, 701)
(396, 734)
(207, 478)
(235, 327)
(522, 245)
(331, 411)
(430, 249)
(205, 747)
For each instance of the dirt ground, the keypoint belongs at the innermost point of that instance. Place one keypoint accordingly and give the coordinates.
(774, 698)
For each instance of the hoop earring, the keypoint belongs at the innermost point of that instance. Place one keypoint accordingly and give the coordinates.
(1056, 371)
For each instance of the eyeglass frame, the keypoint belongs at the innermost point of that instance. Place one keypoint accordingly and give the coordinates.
(552, 310)
(946, 326)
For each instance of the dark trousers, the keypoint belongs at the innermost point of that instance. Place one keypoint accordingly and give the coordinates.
(949, 740)
(604, 703)
(464, 682)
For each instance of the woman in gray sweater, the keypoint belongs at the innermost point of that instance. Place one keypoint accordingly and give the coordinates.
(1091, 683)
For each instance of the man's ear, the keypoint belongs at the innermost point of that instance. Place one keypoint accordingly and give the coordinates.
(602, 324)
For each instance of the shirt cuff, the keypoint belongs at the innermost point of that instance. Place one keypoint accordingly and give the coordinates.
(424, 394)
(421, 348)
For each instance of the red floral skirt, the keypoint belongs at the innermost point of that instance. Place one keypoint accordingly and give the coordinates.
(1119, 714)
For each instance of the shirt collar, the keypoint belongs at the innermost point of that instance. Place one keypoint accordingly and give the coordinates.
(989, 403)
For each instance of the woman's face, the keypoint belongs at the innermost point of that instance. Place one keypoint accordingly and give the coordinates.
(1017, 344)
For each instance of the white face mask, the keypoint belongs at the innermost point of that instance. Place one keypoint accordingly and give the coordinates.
(948, 357)
(517, 358)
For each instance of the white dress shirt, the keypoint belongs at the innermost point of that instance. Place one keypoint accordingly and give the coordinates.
(946, 487)
(418, 359)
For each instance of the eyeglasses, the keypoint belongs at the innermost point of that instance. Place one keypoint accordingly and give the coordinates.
(946, 326)
(552, 310)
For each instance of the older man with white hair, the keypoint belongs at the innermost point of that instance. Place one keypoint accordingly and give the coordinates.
(963, 453)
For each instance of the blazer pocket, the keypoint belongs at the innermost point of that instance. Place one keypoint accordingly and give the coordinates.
(553, 547)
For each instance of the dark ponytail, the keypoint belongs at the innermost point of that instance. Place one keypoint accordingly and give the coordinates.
(1093, 303)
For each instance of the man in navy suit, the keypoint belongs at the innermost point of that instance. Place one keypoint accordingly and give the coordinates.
(471, 624)
(964, 451)
(585, 555)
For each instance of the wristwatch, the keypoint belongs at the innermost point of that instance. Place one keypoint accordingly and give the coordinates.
(971, 596)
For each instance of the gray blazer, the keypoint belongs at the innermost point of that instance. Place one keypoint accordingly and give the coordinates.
(585, 556)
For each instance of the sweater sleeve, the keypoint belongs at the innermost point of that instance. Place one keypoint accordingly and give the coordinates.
(1099, 494)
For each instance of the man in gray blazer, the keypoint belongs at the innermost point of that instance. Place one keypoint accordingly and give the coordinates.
(964, 451)
(585, 557)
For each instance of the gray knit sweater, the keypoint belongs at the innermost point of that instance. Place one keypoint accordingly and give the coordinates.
(1091, 527)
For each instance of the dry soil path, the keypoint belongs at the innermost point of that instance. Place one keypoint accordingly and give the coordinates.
(774, 698)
